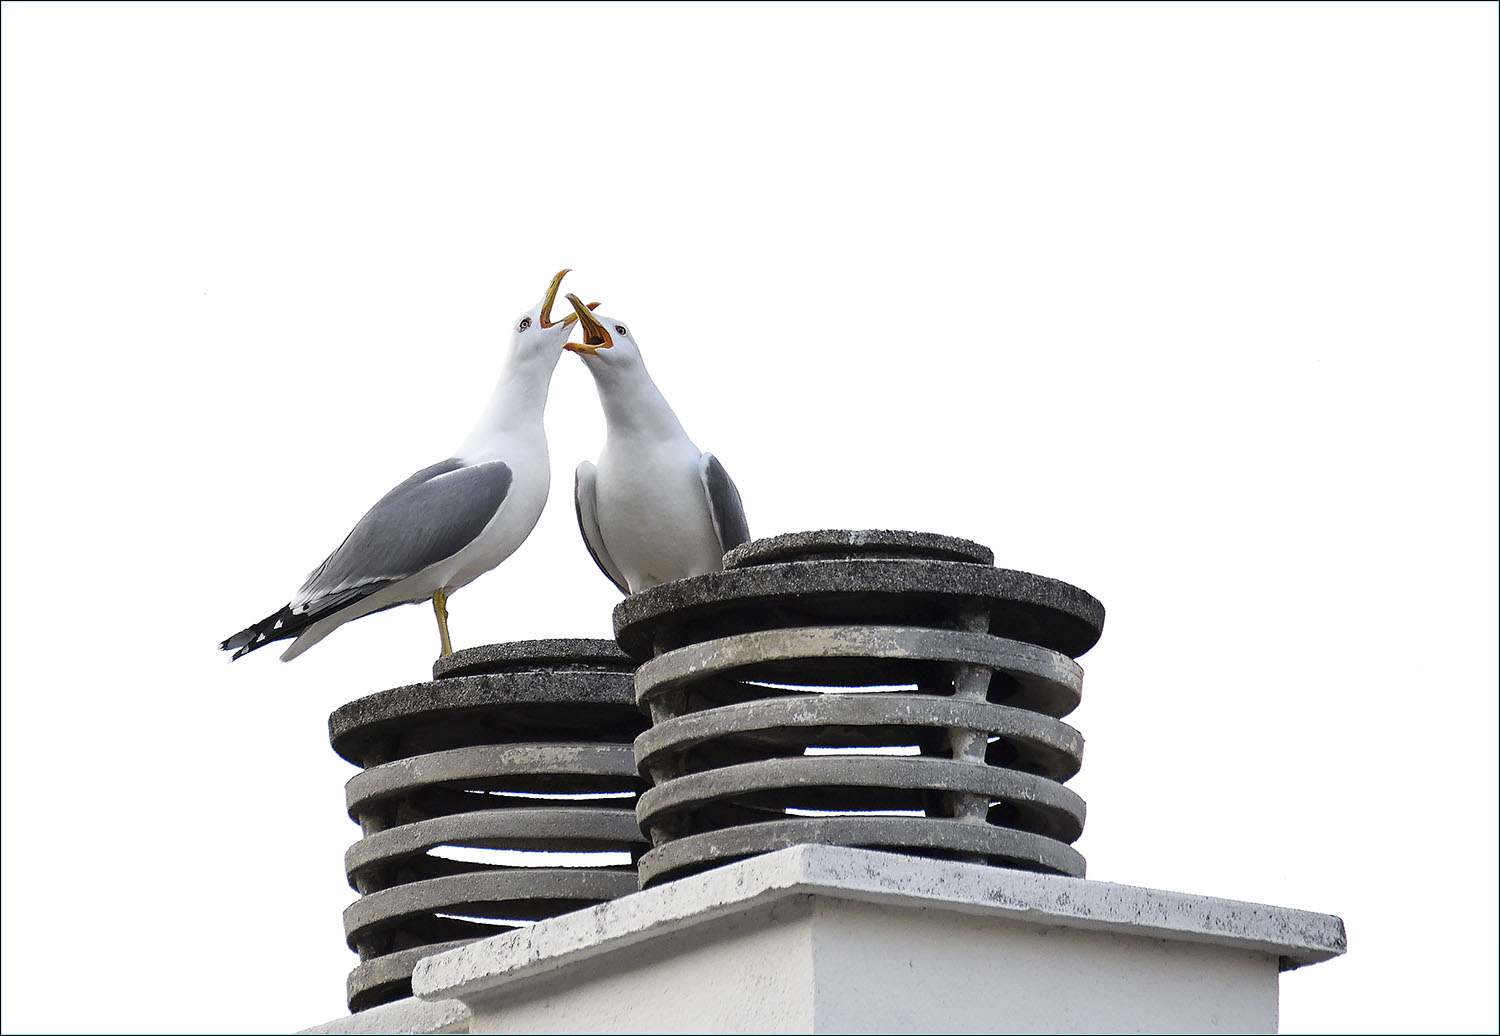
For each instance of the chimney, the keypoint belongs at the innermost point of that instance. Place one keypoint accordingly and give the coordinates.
(853, 815)
(480, 795)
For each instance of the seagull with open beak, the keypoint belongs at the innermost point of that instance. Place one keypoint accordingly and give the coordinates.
(656, 508)
(447, 524)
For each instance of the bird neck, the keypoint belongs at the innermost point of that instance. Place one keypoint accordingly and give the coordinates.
(633, 405)
(515, 408)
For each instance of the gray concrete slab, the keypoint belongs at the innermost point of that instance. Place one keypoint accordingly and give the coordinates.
(403, 1016)
(551, 654)
(862, 543)
(1019, 605)
(1292, 937)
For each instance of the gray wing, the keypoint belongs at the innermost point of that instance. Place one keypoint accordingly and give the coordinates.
(585, 506)
(429, 517)
(723, 504)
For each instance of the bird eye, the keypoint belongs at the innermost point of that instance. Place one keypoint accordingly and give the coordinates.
(621, 329)
(525, 323)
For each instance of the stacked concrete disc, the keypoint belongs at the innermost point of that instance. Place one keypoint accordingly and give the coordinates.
(523, 748)
(880, 689)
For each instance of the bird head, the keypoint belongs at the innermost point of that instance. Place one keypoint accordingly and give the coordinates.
(536, 332)
(607, 343)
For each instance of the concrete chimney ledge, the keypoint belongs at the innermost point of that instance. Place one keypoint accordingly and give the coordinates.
(736, 948)
(403, 1016)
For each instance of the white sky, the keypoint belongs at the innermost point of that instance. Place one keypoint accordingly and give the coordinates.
(1192, 306)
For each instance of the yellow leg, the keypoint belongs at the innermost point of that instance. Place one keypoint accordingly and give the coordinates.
(440, 606)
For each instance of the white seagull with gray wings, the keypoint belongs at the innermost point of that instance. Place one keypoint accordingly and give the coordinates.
(656, 508)
(447, 524)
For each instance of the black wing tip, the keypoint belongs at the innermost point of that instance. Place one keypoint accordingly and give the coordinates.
(276, 626)
(243, 642)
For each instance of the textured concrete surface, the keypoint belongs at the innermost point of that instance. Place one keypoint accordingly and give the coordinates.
(1048, 808)
(742, 766)
(915, 836)
(1042, 745)
(409, 1015)
(815, 965)
(1018, 605)
(1290, 938)
(464, 832)
(481, 762)
(530, 654)
(355, 727)
(863, 543)
(742, 974)
(1036, 678)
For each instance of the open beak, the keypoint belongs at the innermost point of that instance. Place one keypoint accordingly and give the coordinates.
(594, 335)
(551, 297)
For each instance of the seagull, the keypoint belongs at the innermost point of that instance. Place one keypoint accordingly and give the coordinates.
(447, 524)
(656, 508)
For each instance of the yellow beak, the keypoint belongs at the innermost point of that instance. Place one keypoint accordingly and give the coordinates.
(594, 335)
(551, 297)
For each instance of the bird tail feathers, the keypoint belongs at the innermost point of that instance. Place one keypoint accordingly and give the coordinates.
(279, 625)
